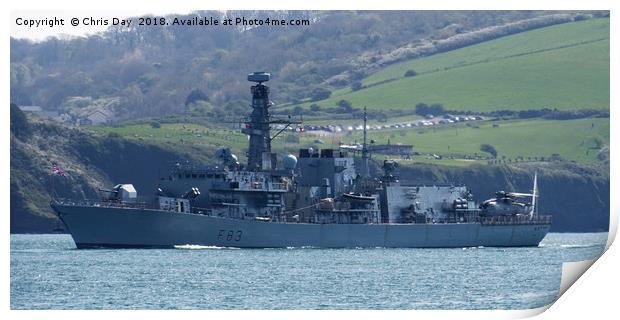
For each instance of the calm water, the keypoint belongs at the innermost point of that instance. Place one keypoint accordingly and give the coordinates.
(47, 272)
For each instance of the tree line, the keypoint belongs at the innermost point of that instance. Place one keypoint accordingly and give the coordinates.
(155, 70)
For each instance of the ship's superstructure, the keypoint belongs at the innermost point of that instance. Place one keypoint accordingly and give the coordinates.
(318, 198)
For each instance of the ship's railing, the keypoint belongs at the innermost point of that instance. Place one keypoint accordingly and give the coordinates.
(278, 186)
(262, 186)
(498, 220)
(518, 219)
(99, 203)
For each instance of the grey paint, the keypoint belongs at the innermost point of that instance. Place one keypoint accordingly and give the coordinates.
(130, 227)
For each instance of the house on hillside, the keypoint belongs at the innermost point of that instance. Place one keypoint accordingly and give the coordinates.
(33, 109)
(99, 116)
(39, 111)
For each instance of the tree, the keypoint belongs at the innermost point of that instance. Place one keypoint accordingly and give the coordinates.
(345, 105)
(19, 122)
(297, 110)
(320, 94)
(488, 149)
(356, 86)
(555, 157)
(201, 108)
(315, 107)
(410, 73)
(421, 109)
(194, 96)
(381, 116)
(155, 124)
(358, 74)
(434, 109)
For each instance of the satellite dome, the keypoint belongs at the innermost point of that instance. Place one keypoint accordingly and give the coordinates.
(289, 162)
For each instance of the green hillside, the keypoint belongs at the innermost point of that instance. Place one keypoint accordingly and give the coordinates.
(564, 66)
(578, 140)
(178, 133)
(201, 140)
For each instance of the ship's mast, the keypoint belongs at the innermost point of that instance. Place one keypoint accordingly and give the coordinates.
(534, 211)
(259, 151)
(535, 194)
(365, 171)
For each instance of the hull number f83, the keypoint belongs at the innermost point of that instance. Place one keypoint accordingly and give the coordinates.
(229, 235)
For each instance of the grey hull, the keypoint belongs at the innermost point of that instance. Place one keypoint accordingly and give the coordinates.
(95, 227)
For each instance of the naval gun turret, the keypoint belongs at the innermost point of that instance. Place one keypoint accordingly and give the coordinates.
(120, 193)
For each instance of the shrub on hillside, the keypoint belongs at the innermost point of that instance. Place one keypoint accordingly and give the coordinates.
(434, 109)
(320, 94)
(488, 149)
(315, 107)
(19, 122)
(410, 73)
(356, 86)
(196, 95)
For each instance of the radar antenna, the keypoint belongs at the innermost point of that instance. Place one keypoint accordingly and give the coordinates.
(258, 126)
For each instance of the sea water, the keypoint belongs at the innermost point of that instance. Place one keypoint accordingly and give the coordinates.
(48, 272)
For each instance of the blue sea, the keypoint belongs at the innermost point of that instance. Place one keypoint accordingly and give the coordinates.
(48, 272)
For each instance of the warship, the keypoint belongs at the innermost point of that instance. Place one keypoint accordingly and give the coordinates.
(323, 198)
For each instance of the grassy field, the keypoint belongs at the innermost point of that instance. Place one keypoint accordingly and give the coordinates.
(177, 133)
(180, 136)
(192, 137)
(578, 140)
(564, 66)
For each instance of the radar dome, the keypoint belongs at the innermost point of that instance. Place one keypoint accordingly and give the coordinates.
(289, 162)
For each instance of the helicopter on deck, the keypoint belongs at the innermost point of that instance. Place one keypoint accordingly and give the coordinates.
(510, 203)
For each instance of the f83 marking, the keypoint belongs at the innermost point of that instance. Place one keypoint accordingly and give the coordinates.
(229, 235)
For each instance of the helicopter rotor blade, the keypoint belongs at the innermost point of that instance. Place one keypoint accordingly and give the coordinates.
(518, 194)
